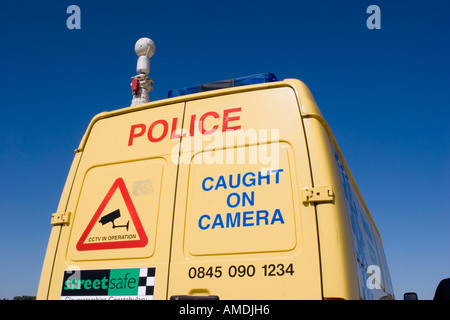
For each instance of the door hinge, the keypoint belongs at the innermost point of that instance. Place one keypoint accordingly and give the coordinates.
(318, 194)
(60, 218)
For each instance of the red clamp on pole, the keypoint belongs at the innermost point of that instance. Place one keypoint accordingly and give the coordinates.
(135, 85)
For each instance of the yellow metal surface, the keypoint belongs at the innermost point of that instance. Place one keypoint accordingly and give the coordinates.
(350, 242)
(272, 260)
(209, 191)
(106, 157)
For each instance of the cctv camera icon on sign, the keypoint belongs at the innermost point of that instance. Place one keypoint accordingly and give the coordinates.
(111, 217)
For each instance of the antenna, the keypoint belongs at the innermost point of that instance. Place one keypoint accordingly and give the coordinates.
(141, 84)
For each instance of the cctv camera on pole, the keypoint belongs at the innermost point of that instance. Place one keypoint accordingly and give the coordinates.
(141, 84)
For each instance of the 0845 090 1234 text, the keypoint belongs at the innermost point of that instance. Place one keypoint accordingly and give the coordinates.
(267, 270)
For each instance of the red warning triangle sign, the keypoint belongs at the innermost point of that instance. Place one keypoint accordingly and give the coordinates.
(142, 240)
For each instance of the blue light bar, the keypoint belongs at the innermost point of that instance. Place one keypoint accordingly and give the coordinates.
(235, 82)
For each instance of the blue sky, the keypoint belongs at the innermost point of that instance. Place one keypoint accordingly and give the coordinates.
(385, 94)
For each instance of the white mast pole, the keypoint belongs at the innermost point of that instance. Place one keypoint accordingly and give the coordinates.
(141, 84)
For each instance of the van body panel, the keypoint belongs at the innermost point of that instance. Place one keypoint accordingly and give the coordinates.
(137, 179)
(350, 243)
(229, 239)
(45, 280)
(202, 195)
(338, 270)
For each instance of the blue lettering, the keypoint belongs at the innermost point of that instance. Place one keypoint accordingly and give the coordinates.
(262, 215)
(205, 216)
(218, 222)
(251, 200)
(248, 183)
(238, 182)
(203, 184)
(260, 177)
(233, 223)
(277, 217)
(234, 180)
(238, 200)
(233, 220)
(221, 183)
(277, 177)
(247, 215)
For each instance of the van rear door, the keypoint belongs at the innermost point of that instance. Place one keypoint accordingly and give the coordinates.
(241, 230)
(117, 243)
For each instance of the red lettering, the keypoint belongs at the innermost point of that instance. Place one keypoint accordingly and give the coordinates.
(150, 130)
(174, 134)
(191, 129)
(202, 119)
(227, 118)
(133, 133)
(138, 130)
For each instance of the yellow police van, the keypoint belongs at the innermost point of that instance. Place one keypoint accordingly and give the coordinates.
(229, 190)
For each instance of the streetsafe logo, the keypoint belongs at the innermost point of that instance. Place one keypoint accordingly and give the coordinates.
(109, 284)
